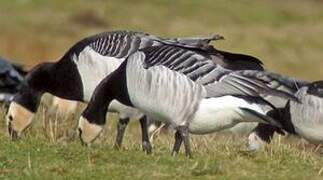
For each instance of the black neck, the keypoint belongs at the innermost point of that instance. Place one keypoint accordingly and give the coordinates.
(283, 116)
(110, 88)
(28, 98)
(286, 120)
(34, 86)
(60, 79)
(63, 80)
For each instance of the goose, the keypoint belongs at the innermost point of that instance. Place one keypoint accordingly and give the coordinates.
(185, 89)
(303, 118)
(75, 75)
(11, 77)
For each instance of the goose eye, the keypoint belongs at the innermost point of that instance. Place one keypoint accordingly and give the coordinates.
(80, 132)
(10, 117)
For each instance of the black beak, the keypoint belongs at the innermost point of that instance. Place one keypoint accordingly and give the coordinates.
(80, 136)
(12, 133)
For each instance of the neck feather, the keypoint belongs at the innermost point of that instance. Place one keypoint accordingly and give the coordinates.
(33, 87)
(110, 88)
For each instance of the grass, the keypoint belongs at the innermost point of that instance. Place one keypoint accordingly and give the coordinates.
(286, 35)
(50, 150)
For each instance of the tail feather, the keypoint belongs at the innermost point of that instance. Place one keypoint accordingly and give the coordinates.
(265, 119)
(276, 81)
(201, 43)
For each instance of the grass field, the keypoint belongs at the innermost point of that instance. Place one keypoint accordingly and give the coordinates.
(286, 35)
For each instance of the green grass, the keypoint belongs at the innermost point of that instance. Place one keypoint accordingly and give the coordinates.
(50, 150)
(286, 35)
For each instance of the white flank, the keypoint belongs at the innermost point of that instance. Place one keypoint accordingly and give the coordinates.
(215, 114)
(124, 111)
(312, 133)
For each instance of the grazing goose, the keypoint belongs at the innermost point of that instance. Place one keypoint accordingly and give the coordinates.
(185, 89)
(303, 118)
(11, 77)
(85, 64)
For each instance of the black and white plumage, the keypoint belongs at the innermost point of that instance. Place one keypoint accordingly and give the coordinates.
(184, 88)
(304, 117)
(263, 133)
(85, 64)
(207, 72)
(11, 77)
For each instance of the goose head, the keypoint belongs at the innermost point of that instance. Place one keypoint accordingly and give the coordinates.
(18, 119)
(88, 131)
(25, 103)
(316, 88)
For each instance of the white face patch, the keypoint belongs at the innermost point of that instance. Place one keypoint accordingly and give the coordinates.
(18, 117)
(93, 67)
(254, 142)
(88, 131)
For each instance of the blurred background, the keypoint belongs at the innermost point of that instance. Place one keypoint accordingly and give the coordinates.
(286, 35)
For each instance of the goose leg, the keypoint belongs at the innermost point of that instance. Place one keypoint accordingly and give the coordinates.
(122, 124)
(146, 146)
(187, 144)
(178, 143)
(182, 134)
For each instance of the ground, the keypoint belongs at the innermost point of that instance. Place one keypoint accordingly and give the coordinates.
(285, 35)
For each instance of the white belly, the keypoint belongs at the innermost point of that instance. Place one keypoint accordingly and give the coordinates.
(124, 111)
(313, 134)
(215, 114)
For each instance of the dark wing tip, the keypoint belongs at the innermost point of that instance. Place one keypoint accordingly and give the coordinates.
(237, 61)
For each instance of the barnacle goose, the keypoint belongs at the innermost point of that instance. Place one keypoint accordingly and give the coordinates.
(184, 88)
(11, 77)
(75, 75)
(303, 118)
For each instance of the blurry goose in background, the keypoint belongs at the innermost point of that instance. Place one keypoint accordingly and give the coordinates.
(11, 77)
(185, 89)
(85, 64)
(63, 106)
(303, 118)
